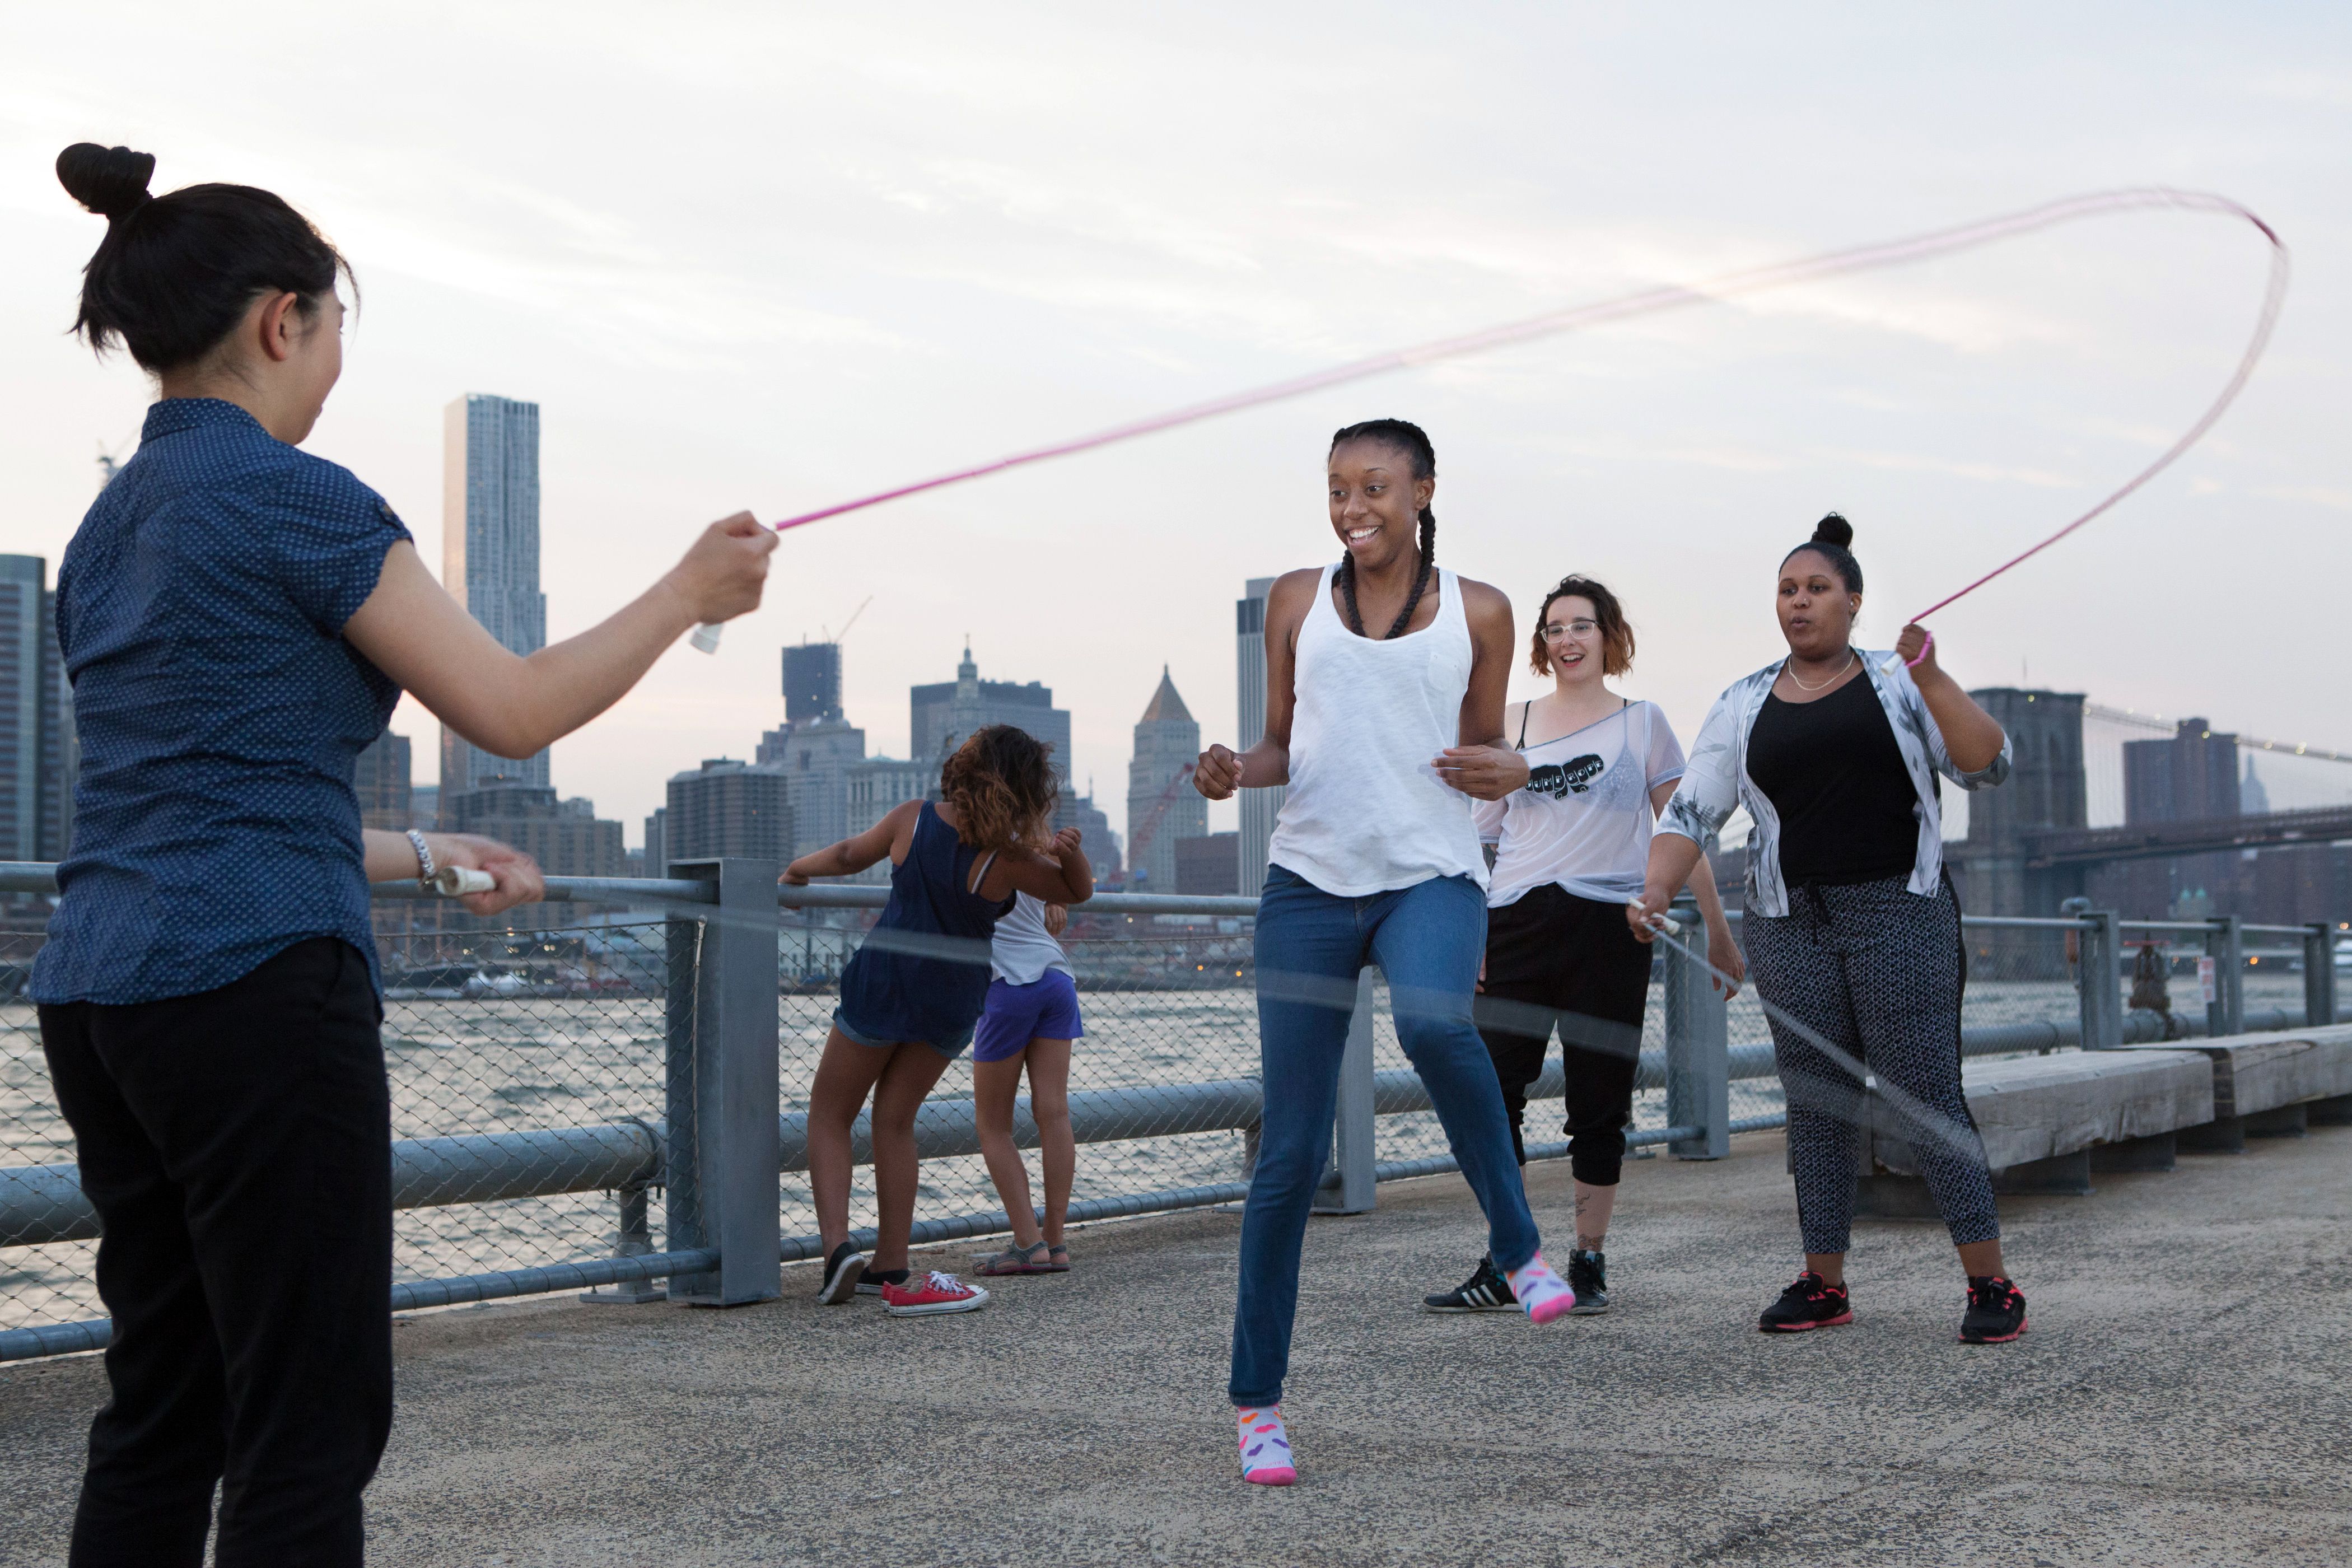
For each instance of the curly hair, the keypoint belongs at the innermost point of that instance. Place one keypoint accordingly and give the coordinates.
(1616, 633)
(1001, 786)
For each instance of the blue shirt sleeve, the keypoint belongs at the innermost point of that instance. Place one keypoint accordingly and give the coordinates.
(327, 534)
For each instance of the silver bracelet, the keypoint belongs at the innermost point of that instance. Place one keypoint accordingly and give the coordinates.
(425, 866)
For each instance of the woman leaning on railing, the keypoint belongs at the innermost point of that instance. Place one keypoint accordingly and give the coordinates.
(238, 618)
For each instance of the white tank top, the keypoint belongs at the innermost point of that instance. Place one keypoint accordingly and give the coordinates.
(1366, 812)
(1022, 950)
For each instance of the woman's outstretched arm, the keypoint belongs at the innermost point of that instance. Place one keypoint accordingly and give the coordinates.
(858, 851)
(513, 705)
(391, 857)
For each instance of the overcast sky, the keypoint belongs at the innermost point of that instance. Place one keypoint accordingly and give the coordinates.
(766, 256)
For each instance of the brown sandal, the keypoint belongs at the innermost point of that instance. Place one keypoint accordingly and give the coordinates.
(1019, 1260)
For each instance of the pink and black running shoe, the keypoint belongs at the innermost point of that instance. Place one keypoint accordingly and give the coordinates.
(1996, 1313)
(1812, 1302)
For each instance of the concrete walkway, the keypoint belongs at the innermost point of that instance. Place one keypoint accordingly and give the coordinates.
(2185, 1396)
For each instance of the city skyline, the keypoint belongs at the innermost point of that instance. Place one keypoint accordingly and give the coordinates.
(918, 267)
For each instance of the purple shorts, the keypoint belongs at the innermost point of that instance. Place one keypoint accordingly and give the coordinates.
(1016, 1014)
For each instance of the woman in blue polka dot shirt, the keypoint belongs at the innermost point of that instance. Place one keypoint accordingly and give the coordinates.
(238, 618)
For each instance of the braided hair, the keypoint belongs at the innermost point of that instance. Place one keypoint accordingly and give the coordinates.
(1414, 442)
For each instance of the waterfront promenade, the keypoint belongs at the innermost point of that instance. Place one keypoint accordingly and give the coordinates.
(2183, 1397)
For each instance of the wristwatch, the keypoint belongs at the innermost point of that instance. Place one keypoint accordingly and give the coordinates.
(425, 866)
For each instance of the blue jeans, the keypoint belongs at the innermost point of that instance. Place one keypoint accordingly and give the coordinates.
(1427, 939)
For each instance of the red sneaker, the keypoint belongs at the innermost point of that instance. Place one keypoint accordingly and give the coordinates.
(920, 1294)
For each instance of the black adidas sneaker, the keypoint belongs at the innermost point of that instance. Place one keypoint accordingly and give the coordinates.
(1484, 1291)
(1588, 1275)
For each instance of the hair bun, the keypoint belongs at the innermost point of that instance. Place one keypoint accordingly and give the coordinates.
(1834, 530)
(108, 181)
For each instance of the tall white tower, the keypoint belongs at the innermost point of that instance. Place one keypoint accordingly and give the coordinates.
(489, 555)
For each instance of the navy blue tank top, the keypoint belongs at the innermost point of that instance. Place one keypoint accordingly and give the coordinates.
(922, 972)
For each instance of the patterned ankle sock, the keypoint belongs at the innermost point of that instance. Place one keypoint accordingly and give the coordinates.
(1264, 1446)
(1543, 1293)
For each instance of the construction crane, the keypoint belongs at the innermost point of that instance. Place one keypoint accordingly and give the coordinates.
(1138, 838)
(831, 636)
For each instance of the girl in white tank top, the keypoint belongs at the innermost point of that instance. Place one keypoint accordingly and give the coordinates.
(1383, 740)
(1367, 813)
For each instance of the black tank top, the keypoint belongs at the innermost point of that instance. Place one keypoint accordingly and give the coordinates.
(1836, 779)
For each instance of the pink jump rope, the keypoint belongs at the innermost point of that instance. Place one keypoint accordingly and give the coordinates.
(1730, 285)
(1890, 253)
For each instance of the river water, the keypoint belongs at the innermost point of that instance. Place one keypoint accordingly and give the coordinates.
(492, 1064)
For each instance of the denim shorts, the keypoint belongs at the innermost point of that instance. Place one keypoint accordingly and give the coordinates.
(950, 1048)
(1046, 1009)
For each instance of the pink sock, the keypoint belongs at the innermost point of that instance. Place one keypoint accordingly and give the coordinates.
(1543, 1293)
(1264, 1446)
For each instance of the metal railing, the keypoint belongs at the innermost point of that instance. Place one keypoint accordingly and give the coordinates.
(685, 1023)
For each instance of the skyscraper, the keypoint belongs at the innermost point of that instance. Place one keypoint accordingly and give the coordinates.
(1162, 805)
(815, 756)
(1259, 807)
(727, 808)
(489, 555)
(812, 681)
(37, 751)
(941, 715)
(566, 838)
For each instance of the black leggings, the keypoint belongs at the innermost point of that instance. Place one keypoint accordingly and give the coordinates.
(237, 1146)
(1555, 958)
(1876, 971)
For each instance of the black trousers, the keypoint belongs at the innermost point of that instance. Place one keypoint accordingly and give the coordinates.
(236, 1144)
(1553, 958)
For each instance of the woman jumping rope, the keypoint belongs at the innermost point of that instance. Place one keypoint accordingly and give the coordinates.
(1574, 845)
(914, 990)
(1383, 738)
(1850, 917)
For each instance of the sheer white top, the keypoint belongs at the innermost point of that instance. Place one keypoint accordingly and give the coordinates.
(1582, 822)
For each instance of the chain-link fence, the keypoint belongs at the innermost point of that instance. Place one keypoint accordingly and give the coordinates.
(518, 1061)
(42, 1280)
(1167, 1003)
(532, 1057)
(532, 1071)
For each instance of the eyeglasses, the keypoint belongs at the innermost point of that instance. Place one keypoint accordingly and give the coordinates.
(1553, 631)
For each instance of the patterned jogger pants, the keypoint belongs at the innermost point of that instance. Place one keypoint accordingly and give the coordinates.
(1876, 971)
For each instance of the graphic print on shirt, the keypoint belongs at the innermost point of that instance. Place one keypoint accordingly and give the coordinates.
(1557, 779)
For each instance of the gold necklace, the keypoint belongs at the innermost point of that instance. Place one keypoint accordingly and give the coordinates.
(1832, 680)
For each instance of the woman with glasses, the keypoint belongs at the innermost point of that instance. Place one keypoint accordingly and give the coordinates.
(1572, 846)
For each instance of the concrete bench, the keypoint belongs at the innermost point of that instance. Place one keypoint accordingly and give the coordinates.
(2048, 1123)
(2270, 1085)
